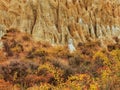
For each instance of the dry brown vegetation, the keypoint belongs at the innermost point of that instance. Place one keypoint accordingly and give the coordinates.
(25, 64)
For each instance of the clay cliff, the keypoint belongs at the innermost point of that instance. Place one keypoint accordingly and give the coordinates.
(56, 21)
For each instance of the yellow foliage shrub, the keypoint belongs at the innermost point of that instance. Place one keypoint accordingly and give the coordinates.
(100, 55)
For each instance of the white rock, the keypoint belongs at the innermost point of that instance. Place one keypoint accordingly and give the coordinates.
(71, 46)
(80, 21)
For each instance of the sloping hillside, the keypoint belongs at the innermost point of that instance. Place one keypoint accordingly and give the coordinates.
(29, 65)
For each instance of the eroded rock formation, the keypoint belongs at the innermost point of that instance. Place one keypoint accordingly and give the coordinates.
(57, 21)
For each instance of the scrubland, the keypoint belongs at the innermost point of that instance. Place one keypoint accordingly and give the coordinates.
(29, 65)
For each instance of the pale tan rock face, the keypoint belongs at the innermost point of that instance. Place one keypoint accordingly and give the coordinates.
(56, 21)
